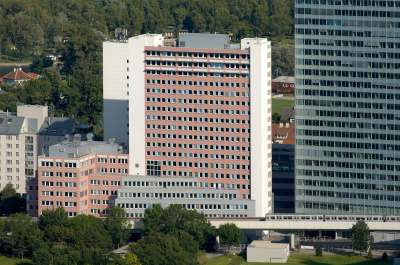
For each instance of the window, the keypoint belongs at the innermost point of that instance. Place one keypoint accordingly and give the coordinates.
(122, 170)
(70, 165)
(47, 203)
(70, 204)
(70, 175)
(95, 182)
(47, 193)
(47, 174)
(122, 161)
(47, 183)
(102, 160)
(69, 194)
(70, 184)
(95, 192)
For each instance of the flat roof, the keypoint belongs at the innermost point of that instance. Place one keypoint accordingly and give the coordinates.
(266, 244)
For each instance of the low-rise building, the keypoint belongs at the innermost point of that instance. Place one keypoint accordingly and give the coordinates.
(287, 84)
(265, 251)
(25, 135)
(81, 176)
(18, 77)
(283, 133)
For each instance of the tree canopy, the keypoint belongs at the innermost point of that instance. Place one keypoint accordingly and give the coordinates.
(361, 238)
(177, 217)
(230, 234)
(162, 249)
(118, 226)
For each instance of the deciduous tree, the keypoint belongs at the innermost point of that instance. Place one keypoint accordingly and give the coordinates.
(118, 226)
(361, 238)
(230, 234)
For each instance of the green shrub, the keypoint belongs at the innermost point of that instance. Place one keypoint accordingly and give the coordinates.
(318, 252)
(384, 256)
(351, 254)
(369, 255)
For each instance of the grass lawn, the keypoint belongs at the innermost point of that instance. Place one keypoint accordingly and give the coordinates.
(301, 260)
(15, 261)
(279, 104)
(286, 40)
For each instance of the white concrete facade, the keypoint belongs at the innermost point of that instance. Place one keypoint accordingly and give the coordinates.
(137, 128)
(115, 91)
(260, 123)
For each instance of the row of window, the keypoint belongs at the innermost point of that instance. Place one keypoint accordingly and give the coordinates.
(105, 192)
(112, 160)
(355, 208)
(351, 3)
(226, 65)
(112, 170)
(199, 55)
(198, 101)
(345, 195)
(59, 164)
(105, 182)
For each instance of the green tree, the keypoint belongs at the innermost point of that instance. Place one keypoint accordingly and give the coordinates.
(88, 231)
(282, 57)
(361, 238)
(177, 217)
(318, 252)
(11, 202)
(230, 234)
(118, 226)
(39, 63)
(42, 256)
(161, 249)
(21, 228)
(8, 191)
(275, 117)
(53, 223)
(128, 259)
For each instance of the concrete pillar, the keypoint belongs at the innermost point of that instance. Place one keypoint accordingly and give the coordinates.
(320, 234)
(292, 242)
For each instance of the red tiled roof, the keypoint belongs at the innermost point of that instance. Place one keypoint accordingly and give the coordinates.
(278, 129)
(1, 79)
(17, 75)
(33, 75)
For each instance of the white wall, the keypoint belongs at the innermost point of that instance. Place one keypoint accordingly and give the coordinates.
(137, 101)
(115, 98)
(260, 123)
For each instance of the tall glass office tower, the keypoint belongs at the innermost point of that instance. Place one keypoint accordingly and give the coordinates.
(347, 106)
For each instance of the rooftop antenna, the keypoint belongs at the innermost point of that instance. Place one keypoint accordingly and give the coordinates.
(121, 34)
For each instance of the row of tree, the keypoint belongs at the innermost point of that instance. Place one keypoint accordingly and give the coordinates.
(27, 26)
(57, 239)
(80, 94)
(175, 235)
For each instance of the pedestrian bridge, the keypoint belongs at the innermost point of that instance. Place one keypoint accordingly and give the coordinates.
(303, 222)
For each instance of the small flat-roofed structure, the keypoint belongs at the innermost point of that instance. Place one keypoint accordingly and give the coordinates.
(265, 251)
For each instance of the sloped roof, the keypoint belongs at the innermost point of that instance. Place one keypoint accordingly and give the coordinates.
(280, 129)
(11, 125)
(1, 79)
(17, 75)
(57, 126)
(33, 75)
(284, 79)
(287, 114)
